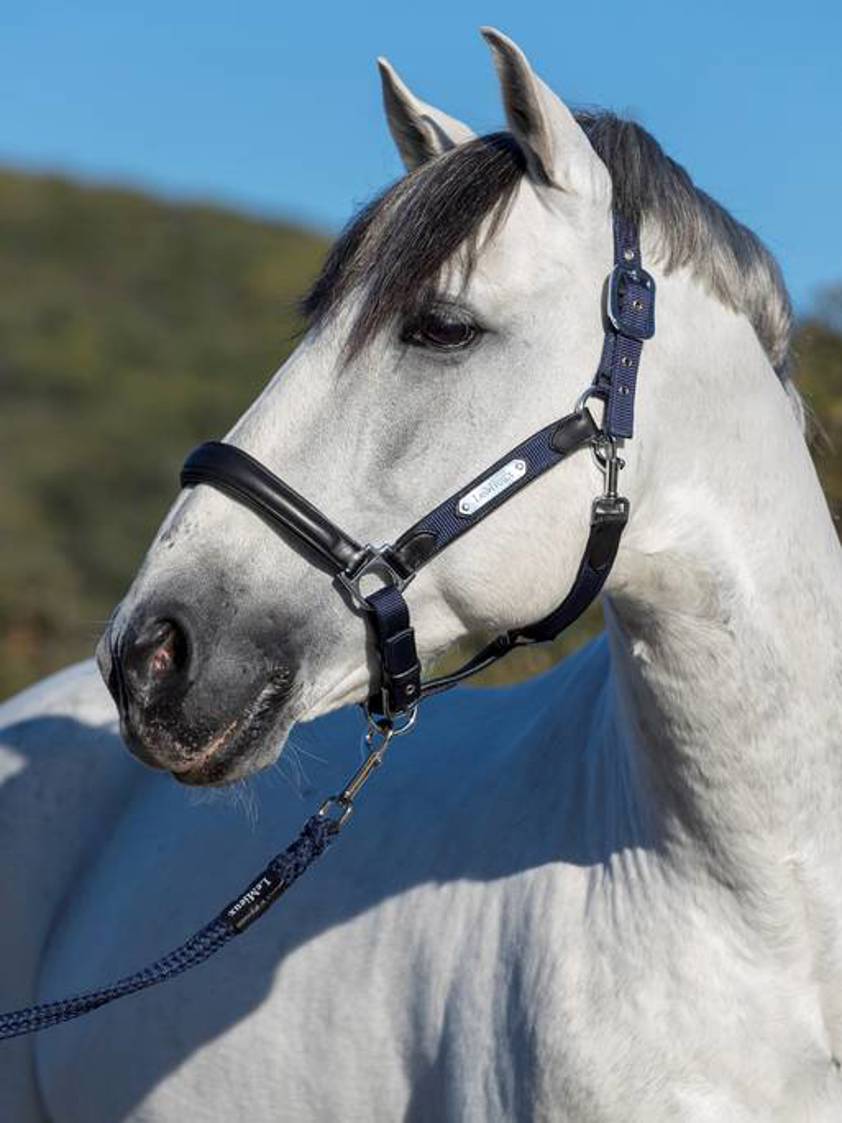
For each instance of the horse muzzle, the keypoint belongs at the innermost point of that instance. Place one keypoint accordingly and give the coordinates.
(180, 707)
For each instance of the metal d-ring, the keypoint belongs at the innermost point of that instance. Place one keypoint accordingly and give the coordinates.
(379, 562)
(397, 724)
(593, 391)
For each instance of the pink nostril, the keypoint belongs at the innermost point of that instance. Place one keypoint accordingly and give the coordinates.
(156, 655)
(163, 659)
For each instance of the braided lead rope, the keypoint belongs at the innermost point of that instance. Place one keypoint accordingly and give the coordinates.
(285, 868)
(198, 948)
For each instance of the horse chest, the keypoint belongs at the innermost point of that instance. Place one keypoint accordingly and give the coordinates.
(546, 995)
(467, 953)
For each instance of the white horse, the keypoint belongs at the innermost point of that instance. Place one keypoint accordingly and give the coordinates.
(610, 894)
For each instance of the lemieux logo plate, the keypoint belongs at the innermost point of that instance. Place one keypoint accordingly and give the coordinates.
(489, 489)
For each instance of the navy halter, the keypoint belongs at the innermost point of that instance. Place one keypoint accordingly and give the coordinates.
(629, 321)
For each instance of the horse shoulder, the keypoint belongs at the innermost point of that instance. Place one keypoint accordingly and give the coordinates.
(417, 933)
(63, 778)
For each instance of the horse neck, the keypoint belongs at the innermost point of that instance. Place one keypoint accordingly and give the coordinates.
(726, 606)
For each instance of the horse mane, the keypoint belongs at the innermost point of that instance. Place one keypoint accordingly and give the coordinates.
(396, 248)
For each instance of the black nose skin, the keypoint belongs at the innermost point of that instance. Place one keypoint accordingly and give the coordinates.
(155, 658)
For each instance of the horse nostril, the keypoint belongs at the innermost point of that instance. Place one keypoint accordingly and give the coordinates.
(164, 645)
(157, 655)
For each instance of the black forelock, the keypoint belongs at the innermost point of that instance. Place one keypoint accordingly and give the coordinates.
(394, 250)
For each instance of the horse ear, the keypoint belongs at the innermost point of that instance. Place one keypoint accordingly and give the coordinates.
(420, 131)
(557, 151)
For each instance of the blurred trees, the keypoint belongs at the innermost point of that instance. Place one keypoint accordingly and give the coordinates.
(818, 356)
(131, 329)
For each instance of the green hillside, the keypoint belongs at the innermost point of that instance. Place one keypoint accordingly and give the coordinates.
(819, 357)
(130, 329)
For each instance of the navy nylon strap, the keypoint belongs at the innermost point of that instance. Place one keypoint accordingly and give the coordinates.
(608, 519)
(630, 320)
(525, 462)
(400, 675)
(607, 524)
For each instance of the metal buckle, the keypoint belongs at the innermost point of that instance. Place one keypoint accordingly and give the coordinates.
(614, 306)
(378, 561)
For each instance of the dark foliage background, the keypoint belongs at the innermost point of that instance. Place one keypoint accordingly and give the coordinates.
(130, 329)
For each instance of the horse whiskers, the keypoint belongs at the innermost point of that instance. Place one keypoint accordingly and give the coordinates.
(307, 753)
(288, 766)
(240, 794)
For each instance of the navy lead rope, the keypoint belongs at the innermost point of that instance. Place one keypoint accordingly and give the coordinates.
(285, 868)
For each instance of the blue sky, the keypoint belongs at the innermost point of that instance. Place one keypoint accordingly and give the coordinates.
(275, 108)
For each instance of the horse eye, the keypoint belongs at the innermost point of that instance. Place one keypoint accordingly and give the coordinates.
(440, 331)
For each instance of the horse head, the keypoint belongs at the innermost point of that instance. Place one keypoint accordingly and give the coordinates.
(459, 312)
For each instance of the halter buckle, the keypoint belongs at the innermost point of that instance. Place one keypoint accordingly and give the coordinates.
(630, 302)
(380, 562)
